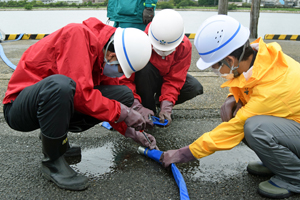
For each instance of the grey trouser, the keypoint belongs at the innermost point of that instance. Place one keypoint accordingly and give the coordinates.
(49, 105)
(276, 141)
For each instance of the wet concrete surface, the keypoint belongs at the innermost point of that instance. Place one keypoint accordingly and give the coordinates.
(111, 161)
(117, 171)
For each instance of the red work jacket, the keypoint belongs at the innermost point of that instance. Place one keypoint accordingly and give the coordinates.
(75, 51)
(173, 68)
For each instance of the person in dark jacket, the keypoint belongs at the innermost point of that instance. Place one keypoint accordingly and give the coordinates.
(133, 13)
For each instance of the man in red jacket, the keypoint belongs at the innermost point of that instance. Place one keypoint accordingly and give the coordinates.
(68, 82)
(165, 77)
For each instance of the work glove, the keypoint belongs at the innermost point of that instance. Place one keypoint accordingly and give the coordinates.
(182, 155)
(165, 112)
(230, 108)
(132, 118)
(145, 112)
(148, 15)
(139, 137)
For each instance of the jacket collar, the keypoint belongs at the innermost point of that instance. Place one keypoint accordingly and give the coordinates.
(265, 66)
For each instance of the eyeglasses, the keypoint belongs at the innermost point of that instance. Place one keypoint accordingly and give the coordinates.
(218, 65)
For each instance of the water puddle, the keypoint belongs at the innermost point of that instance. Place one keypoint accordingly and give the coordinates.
(220, 165)
(112, 157)
(96, 161)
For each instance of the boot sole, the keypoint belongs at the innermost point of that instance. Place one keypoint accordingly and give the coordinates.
(274, 196)
(250, 171)
(73, 187)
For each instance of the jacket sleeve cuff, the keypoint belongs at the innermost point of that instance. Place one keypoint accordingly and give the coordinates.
(166, 105)
(136, 102)
(123, 114)
(186, 154)
(148, 5)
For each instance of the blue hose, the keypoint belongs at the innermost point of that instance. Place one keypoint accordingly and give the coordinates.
(155, 155)
(154, 119)
(3, 56)
(107, 125)
(5, 59)
(180, 183)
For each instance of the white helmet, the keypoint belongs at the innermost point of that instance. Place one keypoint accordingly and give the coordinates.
(217, 37)
(133, 49)
(166, 30)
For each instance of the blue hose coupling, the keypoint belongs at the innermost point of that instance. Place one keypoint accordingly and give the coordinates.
(153, 154)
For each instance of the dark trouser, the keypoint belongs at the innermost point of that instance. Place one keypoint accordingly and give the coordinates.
(149, 82)
(48, 105)
(276, 141)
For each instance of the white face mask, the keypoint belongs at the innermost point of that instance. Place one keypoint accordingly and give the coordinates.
(163, 53)
(228, 76)
(112, 71)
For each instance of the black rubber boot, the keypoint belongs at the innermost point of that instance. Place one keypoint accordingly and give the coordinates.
(73, 150)
(73, 154)
(56, 169)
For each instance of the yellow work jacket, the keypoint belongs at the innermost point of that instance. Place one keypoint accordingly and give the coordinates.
(273, 89)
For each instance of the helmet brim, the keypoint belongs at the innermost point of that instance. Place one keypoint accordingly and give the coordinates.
(133, 49)
(203, 65)
(118, 44)
(242, 37)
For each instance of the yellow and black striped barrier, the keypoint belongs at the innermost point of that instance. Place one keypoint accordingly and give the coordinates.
(40, 36)
(25, 36)
(189, 35)
(267, 37)
(282, 37)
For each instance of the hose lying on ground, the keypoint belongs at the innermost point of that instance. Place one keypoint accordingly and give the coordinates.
(3, 56)
(155, 155)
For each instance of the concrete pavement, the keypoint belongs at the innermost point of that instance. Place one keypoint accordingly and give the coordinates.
(115, 170)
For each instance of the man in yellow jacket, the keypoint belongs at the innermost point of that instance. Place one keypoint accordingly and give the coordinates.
(262, 109)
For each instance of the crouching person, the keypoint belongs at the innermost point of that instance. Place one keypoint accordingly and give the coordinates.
(262, 108)
(68, 81)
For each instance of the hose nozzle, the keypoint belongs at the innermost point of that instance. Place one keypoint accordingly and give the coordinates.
(141, 150)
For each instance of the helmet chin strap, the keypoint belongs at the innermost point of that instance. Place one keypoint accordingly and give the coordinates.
(234, 69)
(111, 40)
